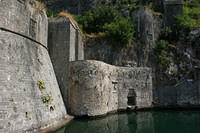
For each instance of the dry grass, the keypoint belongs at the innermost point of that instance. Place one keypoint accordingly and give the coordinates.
(67, 15)
(93, 36)
(196, 27)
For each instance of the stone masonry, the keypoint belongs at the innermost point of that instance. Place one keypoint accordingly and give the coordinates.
(185, 94)
(30, 99)
(92, 87)
(65, 45)
(96, 88)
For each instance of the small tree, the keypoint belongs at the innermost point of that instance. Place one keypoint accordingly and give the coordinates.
(93, 21)
(121, 30)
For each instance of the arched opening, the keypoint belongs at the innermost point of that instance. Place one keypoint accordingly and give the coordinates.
(131, 97)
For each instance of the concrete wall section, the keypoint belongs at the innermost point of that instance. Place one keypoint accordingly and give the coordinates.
(65, 45)
(72, 42)
(59, 49)
(79, 46)
(96, 88)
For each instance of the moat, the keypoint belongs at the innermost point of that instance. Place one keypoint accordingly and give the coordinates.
(140, 122)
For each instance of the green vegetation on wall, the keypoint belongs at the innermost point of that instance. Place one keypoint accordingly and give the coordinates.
(46, 98)
(188, 20)
(121, 30)
(51, 13)
(108, 20)
(185, 22)
(94, 21)
(162, 52)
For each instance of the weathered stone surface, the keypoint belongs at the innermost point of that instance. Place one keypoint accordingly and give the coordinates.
(158, 5)
(102, 50)
(179, 85)
(22, 17)
(171, 9)
(27, 74)
(138, 53)
(96, 88)
(185, 94)
(148, 27)
(65, 45)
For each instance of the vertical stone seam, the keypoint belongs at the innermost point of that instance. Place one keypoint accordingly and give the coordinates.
(76, 45)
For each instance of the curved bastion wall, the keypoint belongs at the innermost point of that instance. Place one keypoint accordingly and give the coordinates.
(30, 99)
(96, 88)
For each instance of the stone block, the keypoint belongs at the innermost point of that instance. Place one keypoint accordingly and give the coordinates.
(96, 88)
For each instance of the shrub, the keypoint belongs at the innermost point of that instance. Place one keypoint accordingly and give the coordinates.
(121, 30)
(189, 19)
(166, 34)
(162, 52)
(51, 13)
(185, 23)
(123, 2)
(107, 20)
(93, 21)
(192, 3)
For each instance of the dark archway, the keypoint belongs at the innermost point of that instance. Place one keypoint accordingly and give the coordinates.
(132, 97)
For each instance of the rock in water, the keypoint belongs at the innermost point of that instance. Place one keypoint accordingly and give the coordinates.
(30, 99)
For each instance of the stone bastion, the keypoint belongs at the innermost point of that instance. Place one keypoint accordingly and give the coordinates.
(30, 99)
(96, 88)
(89, 87)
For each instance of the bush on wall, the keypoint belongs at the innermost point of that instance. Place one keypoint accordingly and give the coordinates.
(162, 53)
(108, 20)
(189, 19)
(121, 30)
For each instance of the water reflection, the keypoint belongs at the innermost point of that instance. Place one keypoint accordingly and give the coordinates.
(141, 122)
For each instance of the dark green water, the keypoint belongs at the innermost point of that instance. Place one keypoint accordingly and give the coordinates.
(141, 122)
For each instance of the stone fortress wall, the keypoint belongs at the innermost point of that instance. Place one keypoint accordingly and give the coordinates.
(65, 45)
(97, 88)
(91, 93)
(185, 94)
(30, 99)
